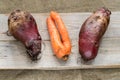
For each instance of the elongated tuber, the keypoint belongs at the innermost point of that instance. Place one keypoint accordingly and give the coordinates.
(23, 27)
(91, 33)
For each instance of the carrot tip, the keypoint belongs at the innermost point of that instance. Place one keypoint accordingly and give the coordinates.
(65, 57)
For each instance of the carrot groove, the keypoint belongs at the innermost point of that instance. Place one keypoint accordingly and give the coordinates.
(59, 37)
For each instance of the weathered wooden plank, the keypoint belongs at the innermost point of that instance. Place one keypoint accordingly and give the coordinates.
(13, 54)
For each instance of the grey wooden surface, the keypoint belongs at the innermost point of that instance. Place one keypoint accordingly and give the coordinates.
(13, 54)
(37, 6)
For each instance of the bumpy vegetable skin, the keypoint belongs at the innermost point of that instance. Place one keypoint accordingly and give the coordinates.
(91, 33)
(23, 27)
(59, 37)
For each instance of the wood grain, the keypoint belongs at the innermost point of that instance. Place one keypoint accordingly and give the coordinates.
(13, 54)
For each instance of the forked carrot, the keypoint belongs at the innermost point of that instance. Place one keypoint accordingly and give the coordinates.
(60, 40)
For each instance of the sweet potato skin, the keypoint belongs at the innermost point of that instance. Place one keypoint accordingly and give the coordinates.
(23, 27)
(91, 33)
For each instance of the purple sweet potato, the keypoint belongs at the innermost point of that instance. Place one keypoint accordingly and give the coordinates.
(23, 27)
(91, 33)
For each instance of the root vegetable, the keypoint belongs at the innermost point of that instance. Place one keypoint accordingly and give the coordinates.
(23, 27)
(59, 37)
(91, 33)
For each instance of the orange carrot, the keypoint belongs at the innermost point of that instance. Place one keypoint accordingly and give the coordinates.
(61, 45)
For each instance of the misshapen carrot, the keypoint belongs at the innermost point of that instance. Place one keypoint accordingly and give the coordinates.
(63, 31)
(61, 44)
